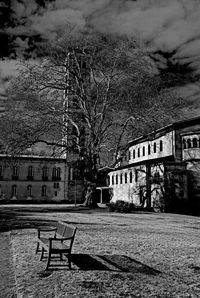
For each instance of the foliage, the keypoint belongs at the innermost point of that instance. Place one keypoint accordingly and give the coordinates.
(121, 206)
(90, 95)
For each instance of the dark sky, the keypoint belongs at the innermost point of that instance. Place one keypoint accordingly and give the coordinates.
(169, 30)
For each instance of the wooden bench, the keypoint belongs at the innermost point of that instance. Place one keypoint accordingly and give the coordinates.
(60, 242)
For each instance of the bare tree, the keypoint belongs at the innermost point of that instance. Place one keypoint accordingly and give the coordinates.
(85, 99)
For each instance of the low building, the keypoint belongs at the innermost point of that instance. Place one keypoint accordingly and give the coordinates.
(161, 170)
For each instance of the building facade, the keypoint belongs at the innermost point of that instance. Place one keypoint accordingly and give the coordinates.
(162, 169)
(38, 179)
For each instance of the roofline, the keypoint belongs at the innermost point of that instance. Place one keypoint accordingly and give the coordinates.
(40, 157)
(168, 127)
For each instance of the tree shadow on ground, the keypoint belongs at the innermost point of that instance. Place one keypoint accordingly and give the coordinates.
(18, 220)
(119, 263)
(21, 219)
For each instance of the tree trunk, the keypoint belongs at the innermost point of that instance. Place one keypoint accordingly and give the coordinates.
(90, 198)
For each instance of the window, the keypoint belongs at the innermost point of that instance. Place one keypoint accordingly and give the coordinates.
(116, 179)
(149, 149)
(56, 185)
(129, 155)
(138, 152)
(55, 193)
(125, 176)
(131, 177)
(136, 175)
(56, 172)
(112, 180)
(45, 173)
(30, 173)
(29, 191)
(154, 147)
(44, 191)
(161, 145)
(121, 178)
(143, 151)
(15, 172)
(14, 190)
(134, 154)
(189, 145)
(194, 143)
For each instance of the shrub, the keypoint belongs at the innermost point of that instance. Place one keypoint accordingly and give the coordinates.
(121, 206)
(111, 207)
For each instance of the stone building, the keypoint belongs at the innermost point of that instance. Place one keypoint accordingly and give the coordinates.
(161, 170)
(37, 178)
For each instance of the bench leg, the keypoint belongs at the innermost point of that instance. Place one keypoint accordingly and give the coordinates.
(42, 254)
(48, 261)
(37, 248)
(69, 262)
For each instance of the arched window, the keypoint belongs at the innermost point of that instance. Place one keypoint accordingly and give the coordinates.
(136, 175)
(149, 149)
(30, 172)
(29, 191)
(138, 152)
(45, 173)
(189, 143)
(112, 180)
(15, 172)
(14, 190)
(184, 144)
(131, 177)
(161, 145)
(56, 172)
(129, 155)
(44, 191)
(143, 151)
(154, 147)
(121, 178)
(134, 154)
(116, 179)
(194, 143)
(125, 176)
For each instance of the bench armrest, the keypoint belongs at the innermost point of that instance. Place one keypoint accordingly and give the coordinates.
(45, 230)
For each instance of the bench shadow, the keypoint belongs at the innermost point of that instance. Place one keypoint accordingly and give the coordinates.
(119, 263)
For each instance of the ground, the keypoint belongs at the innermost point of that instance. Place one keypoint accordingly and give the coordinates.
(114, 255)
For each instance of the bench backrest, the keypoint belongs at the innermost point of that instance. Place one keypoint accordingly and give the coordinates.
(60, 228)
(65, 230)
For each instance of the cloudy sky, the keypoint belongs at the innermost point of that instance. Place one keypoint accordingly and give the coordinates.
(169, 29)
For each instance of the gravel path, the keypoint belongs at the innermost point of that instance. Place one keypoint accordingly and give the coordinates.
(7, 277)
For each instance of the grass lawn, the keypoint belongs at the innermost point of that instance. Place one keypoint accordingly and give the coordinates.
(115, 255)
